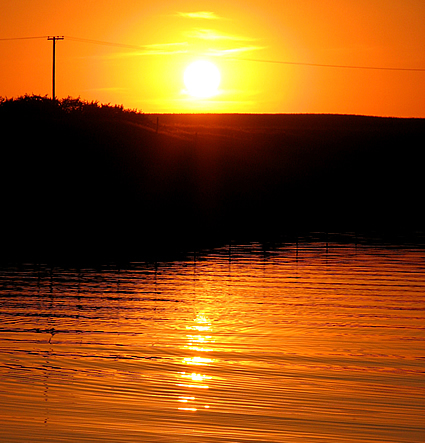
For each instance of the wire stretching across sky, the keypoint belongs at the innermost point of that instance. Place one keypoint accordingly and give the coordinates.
(322, 65)
(24, 38)
(280, 62)
(99, 42)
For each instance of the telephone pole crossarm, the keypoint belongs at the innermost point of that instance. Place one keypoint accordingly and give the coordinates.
(54, 38)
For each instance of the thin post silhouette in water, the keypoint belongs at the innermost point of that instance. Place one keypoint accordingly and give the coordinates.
(54, 38)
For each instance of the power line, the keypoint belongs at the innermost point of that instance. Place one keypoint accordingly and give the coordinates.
(23, 38)
(280, 62)
(322, 65)
(103, 43)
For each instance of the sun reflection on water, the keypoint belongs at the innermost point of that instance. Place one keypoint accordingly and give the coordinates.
(194, 340)
(195, 377)
(197, 360)
(196, 380)
(293, 344)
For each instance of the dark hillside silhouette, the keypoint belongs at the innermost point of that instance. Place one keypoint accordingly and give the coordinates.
(83, 180)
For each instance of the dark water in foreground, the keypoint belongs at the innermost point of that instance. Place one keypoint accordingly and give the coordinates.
(291, 345)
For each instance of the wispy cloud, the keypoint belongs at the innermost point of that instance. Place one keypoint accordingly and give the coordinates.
(210, 34)
(164, 49)
(154, 49)
(233, 51)
(159, 52)
(145, 53)
(204, 15)
(165, 45)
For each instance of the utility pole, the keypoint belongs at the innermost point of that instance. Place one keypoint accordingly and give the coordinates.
(54, 63)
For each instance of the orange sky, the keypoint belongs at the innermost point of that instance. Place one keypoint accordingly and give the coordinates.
(167, 36)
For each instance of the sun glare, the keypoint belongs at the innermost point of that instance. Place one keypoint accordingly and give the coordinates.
(202, 79)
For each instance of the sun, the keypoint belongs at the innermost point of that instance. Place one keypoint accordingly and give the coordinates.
(202, 79)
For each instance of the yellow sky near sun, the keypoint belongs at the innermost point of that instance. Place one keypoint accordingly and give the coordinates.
(159, 40)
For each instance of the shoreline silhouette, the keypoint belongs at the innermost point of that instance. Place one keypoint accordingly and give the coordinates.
(83, 180)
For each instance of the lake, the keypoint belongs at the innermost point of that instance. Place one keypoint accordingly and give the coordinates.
(299, 342)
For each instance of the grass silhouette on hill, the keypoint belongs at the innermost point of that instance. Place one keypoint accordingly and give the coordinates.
(83, 180)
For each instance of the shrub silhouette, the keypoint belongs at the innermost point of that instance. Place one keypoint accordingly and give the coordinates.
(42, 106)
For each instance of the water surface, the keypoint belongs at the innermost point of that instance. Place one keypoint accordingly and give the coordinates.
(294, 344)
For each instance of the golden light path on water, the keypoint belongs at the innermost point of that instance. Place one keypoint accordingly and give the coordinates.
(242, 344)
(197, 343)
